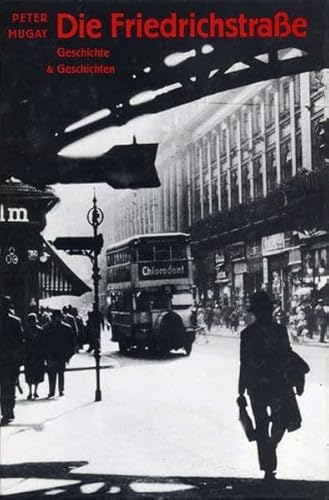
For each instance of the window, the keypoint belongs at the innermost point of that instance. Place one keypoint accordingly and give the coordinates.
(213, 147)
(245, 125)
(223, 190)
(234, 188)
(206, 199)
(257, 117)
(297, 89)
(145, 301)
(214, 192)
(234, 133)
(286, 160)
(162, 251)
(284, 96)
(223, 137)
(271, 170)
(145, 251)
(245, 183)
(270, 108)
(178, 251)
(258, 178)
(117, 258)
(299, 153)
(182, 300)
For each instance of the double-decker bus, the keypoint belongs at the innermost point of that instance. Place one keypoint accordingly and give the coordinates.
(150, 292)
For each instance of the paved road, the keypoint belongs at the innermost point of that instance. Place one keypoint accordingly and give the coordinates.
(174, 417)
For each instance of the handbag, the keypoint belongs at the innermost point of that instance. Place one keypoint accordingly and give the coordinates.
(245, 420)
(296, 371)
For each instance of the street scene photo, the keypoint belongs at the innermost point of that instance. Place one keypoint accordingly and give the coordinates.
(164, 250)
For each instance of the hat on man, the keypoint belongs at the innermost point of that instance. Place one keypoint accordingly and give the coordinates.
(259, 302)
(5, 302)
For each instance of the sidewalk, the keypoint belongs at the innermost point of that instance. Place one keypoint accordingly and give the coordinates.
(222, 331)
(74, 447)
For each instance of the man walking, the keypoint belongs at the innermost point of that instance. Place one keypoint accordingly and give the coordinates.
(60, 347)
(11, 351)
(265, 357)
(321, 319)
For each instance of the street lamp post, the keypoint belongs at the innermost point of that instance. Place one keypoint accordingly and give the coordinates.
(95, 217)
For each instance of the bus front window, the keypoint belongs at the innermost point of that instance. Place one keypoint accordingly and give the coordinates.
(145, 301)
(182, 300)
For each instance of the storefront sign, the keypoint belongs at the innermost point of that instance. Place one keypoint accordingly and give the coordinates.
(240, 268)
(273, 244)
(236, 251)
(13, 214)
(221, 277)
(219, 258)
(158, 271)
(265, 270)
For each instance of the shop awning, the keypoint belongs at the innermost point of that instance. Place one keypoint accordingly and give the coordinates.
(56, 278)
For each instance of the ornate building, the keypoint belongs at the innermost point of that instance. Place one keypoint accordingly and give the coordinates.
(233, 177)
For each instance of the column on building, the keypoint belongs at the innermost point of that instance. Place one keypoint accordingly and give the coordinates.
(251, 146)
(166, 199)
(270, 140)
(277, 131)
(172, 198)
(285, 130)
(228, 162)
(238, 114)
(263, 142)
(292, 125)
(305, 97)
(209, 173)
(179, 193)
(218, 168)
(223, 159)
(258, 148)
(189, 159)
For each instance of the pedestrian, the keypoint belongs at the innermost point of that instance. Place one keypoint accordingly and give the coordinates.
(217, 314)
(11, 353)
(70, 320)
(278, 313)
(265, 358)
(321, 320)
(310, 318)
(234, 321)
(44, 316)
(301, 325)
(95, 322)
(80, 327)
(209, 317)
(34, 355)
(60, 347)
(201, 324)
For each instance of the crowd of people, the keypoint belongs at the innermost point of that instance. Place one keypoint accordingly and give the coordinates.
(43, 342)
(306, 319)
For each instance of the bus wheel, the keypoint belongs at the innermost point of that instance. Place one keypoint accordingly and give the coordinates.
(188, 348)
(123, 347)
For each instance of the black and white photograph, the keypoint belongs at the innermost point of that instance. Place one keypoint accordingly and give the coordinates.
(164, 249)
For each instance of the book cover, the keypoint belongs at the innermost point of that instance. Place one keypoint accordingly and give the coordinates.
(163, 188)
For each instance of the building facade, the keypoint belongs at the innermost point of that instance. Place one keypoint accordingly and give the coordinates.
(227, 175)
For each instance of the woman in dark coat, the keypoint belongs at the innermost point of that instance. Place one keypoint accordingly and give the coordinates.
(34, 355)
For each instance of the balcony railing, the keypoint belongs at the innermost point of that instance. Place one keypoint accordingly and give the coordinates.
(298, 203)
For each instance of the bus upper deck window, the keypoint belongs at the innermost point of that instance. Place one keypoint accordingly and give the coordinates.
(178, 251)
(145, 252)
(162, 252)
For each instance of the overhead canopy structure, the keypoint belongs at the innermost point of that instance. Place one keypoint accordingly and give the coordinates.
(148, 75)
(56, 278)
